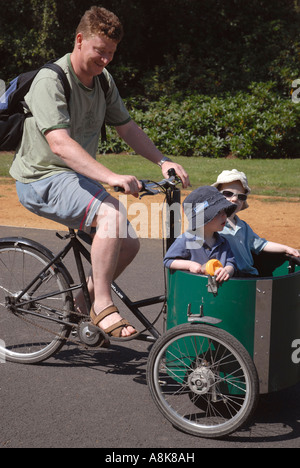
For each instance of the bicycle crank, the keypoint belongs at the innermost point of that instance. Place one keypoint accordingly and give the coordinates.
(92, 336)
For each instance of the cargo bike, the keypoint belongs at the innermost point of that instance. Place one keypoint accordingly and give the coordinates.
(222, 346)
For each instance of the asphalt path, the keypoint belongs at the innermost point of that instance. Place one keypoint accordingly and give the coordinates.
(100, 399)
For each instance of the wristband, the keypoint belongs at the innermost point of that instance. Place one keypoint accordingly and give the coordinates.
(163, 160)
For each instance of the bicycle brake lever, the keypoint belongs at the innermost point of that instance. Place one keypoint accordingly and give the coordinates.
(149, 192)
(170, 181)
(146, 193)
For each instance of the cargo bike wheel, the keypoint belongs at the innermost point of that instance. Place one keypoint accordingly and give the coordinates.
(203, 380)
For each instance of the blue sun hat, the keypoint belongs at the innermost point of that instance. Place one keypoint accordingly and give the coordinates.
(203, 204)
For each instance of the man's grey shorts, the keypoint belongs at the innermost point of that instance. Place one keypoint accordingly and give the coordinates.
(67, 198)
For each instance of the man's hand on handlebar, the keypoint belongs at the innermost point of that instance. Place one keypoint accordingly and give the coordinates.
(130, 185)
(179, 171)
(127, 184)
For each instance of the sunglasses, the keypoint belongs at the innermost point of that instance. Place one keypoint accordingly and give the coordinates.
(240, 196)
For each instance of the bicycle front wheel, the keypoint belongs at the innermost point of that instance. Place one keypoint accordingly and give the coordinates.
(202, 380)
(30, 331)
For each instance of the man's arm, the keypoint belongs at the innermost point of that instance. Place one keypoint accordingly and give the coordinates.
(137, 139)
(82, 162)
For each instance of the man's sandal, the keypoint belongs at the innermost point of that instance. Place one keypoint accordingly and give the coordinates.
(114, 330)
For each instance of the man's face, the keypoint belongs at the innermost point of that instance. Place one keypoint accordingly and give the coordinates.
(96, 53)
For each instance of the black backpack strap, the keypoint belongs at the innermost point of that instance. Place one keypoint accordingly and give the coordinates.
(63, 78)
(105, 88)
(104, 83)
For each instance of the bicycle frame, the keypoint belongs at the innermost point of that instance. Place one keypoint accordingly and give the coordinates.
(79, 250)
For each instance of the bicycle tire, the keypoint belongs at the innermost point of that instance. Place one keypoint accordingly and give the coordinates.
(26, 338)
(202, 380)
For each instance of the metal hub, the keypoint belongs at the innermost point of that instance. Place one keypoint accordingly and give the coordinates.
(201, 380)
(10, 301)
(92, 336)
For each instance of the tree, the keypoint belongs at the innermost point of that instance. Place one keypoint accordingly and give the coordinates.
(170, 46)
(27, 35)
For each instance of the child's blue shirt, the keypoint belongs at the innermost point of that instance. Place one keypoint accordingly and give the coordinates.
(243, 242)
(193, 248)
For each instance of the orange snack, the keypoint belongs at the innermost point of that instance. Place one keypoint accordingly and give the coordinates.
(212, 266)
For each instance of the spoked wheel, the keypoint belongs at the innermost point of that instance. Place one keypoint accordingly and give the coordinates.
(30, 331)
(202, 380)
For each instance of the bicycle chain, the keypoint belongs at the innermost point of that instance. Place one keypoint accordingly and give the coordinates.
(78, 342)
(66, 339)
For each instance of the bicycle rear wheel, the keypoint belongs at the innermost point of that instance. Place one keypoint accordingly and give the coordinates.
(202, 380)
(27, 333)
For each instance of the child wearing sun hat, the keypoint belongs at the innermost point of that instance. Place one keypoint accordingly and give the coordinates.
(207, 210)
(242, 239)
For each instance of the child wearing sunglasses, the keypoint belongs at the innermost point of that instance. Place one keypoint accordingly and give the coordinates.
(242, 239)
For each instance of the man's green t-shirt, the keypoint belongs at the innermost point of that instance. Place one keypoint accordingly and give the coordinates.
(46, 100)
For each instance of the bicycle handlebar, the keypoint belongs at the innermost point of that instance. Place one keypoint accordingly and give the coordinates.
(152, 188)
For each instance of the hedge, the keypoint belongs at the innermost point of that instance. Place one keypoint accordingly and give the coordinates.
(258, 123)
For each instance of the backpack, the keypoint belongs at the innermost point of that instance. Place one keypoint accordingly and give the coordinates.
(12, 104)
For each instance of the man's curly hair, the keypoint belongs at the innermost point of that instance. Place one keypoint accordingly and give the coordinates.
(100, 22)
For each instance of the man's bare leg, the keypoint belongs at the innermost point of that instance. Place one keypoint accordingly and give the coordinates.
(129, 249)
(112, 251)
(79, 301)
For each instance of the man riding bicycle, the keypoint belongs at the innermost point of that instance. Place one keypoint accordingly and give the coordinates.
(55, 165)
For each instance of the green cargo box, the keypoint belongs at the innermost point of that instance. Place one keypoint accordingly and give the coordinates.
(262, 313)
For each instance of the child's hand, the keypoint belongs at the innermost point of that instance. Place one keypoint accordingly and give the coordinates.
(223, 274)
(291, 251)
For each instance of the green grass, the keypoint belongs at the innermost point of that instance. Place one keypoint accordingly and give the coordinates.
(279, 178)
(5, 163)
